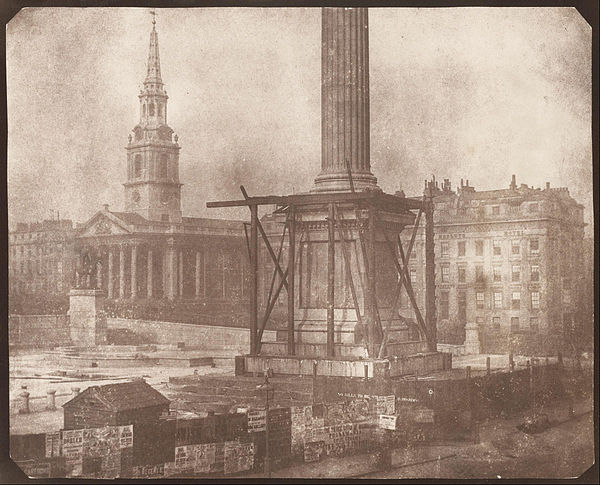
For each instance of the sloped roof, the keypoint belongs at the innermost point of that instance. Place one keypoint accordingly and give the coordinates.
(131, 217)
(124, 396)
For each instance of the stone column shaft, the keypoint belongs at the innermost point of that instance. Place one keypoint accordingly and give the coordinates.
(180, 274)
(171, 273)
(122, 272)
(110, 273)
(134, 271)
(344, 100)
(149, 275)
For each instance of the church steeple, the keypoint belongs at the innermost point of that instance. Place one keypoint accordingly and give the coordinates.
(153, 76)
(152, 188)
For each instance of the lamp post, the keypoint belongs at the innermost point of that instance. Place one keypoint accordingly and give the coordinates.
(268, 388)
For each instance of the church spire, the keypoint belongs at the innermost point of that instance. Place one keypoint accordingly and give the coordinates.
(153, 76)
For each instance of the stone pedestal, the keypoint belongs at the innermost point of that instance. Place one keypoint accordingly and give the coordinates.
(472, 339)
(87, 320)
(311, 280)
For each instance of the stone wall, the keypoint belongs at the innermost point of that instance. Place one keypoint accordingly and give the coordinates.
(193, 336)
(38, 331)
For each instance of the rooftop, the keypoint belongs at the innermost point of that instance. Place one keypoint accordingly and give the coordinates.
(124, 395)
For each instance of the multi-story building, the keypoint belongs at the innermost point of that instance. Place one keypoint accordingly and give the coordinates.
(41, 260)
(148, 252)
(509, 261)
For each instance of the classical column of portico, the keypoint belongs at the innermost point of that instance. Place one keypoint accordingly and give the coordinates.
(180, 273)
(149, 275)
(110, 273)
(345, 101)
(171, 257)
(134, 271)
(122, 271)
(198, 274)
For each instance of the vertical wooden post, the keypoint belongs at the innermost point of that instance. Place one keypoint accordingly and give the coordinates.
(488, 366)
(330, 281)
(371, 283)
(254, 279)
(430, 316)
(291, 280)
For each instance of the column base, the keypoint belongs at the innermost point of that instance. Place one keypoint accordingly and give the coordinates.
(339, 182)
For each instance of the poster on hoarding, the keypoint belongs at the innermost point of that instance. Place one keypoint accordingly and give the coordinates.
(126, 436)
(35, 469)
(387, 421)
(149, 471)
(100, 441)
(72, 450)
(185, 457)
(257, 420)
(205, 457)
(313, 451)
(52, 444)
(238, 457)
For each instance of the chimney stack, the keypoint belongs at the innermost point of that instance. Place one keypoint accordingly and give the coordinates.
(547, 185)
(513, 183)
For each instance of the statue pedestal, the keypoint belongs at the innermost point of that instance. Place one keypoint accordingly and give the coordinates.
(87, 320)
(472, 339)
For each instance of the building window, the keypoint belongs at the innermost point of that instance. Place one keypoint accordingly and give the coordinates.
(151, 109)
(496, 210)
(496, 323)
(445, 248)
(535, 272)
(497, 248)
(462, 247)
(413, 276)
(445, 274)
(534, 324)
(478, 248)
(164, 217)
(462, 274)
(137, 168)
(534, 246)
(479, 273)
(533, 207)
(516, 300)
(516, 272)
(497, 271)
(514, 324)
(497, 299)
(159, 109)
(535, 300)
(480, 299)
(444, 304)
(515, 246)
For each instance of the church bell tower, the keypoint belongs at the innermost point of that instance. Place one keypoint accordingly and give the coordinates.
(152, 189)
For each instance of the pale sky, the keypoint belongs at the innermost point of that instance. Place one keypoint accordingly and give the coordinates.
(474, 93)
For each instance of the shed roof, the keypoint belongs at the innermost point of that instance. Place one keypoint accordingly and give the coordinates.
(124, 395)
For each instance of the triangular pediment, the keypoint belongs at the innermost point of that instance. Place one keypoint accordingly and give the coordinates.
(104, 224)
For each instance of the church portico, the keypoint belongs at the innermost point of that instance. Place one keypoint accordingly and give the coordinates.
(150, 255)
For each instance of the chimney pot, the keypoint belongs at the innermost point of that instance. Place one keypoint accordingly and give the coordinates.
(547, 185)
